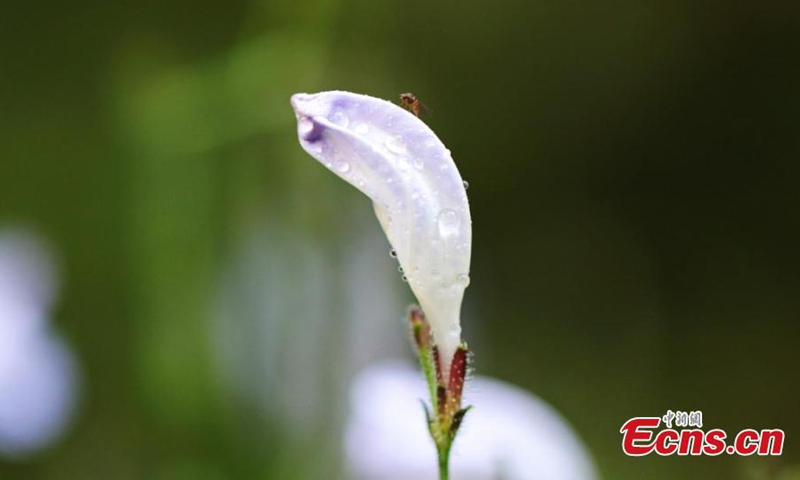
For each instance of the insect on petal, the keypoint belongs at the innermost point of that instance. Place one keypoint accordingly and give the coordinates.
(419, 196)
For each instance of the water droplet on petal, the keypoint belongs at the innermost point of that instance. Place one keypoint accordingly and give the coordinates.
(429, 143)
(339, 118)
(305, 125)
(466, 184)
(393, 253)
(396, 145)
(463, 279)
(362, 129)
(400, 269)
(402, 163)
(405, 278)
(448, 222)
(417, 162)
(342, 166)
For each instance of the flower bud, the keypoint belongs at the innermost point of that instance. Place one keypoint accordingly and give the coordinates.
(418, 194)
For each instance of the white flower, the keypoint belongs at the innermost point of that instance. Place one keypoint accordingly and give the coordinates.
(509, 433)
(38, 371)
(418, 194)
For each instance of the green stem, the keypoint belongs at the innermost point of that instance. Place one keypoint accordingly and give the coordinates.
(444, 461)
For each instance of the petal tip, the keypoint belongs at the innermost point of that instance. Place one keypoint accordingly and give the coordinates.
(300, 103)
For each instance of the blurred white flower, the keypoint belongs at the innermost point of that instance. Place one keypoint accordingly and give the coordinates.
(417, 192)
(509, 434)
(38, 373)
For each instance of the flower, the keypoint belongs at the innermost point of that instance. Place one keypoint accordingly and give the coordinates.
(39, 374)
(418, 194)
(509, 432)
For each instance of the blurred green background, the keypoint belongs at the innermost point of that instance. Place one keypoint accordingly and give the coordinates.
(634, 179)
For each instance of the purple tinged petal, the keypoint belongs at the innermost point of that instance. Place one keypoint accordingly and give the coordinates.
(417, 192)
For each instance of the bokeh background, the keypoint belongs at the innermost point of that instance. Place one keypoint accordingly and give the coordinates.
(634, 179)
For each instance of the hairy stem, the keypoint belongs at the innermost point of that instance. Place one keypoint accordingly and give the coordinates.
(444, 419)
(426, 361)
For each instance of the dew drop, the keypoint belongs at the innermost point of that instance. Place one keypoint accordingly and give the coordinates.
(400, 269)
(429, 143)
(393, 253)
(362, 129)
(305, 125)
(339, 118)
(417, 162)
(448, 222)
(342, 166)
(463, 279)
(466, 185)
(405, 278)
(396, 145)
(402, 163)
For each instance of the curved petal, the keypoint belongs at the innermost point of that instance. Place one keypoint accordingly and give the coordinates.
(417, 191)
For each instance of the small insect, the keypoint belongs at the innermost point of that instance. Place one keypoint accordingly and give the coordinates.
(410, 102)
